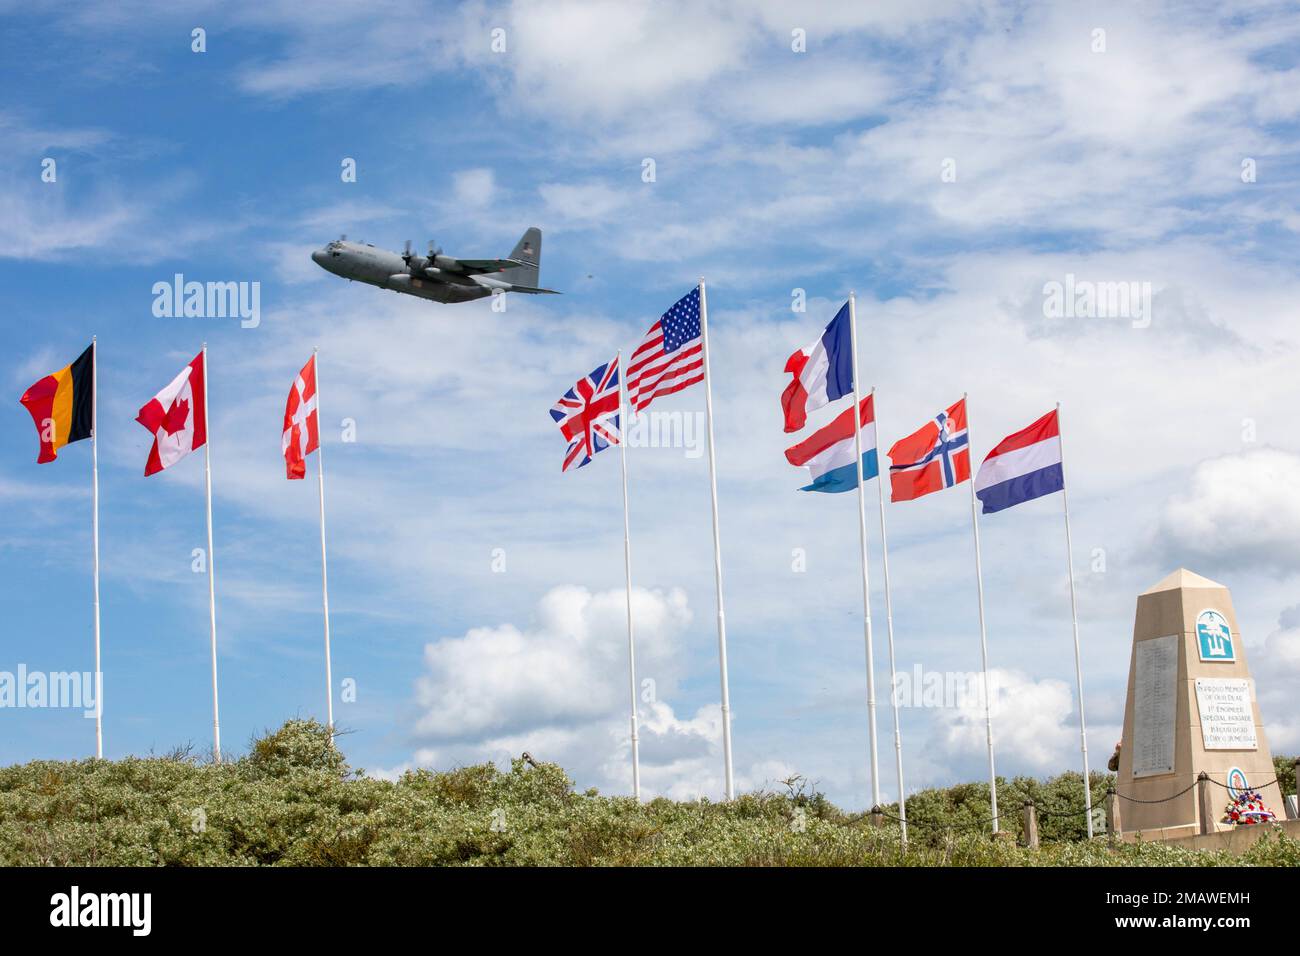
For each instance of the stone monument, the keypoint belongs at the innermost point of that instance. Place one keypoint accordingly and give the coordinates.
(1191, 707)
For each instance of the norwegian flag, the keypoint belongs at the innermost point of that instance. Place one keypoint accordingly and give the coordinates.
(301, 422)
(587, 415)
(934, 457)
(178, 417)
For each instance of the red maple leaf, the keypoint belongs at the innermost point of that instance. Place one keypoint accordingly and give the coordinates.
(176, 416)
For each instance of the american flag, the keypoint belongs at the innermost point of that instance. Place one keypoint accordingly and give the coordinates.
(588, 415)
(670, 357)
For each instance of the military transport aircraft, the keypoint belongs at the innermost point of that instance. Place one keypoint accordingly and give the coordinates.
(436, 276)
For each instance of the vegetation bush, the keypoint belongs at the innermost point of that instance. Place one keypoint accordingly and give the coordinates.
(292, 800)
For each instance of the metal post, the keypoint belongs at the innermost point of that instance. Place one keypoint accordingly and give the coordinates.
(717, 547)
(1074, 616)
(94, 495)
(212, 564)
(889, 621)
(624, 431)
(984, 645)
(324, 570)
(862, 541)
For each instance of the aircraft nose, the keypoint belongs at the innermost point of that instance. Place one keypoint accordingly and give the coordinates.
(318, 257)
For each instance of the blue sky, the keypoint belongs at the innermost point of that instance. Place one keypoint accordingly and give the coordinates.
(775, 171)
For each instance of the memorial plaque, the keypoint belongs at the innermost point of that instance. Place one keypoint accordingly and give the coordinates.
(1227, 717)
(1156, 687)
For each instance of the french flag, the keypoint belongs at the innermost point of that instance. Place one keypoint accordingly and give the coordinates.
(823, 373)
(1024, 466)
(828, 452)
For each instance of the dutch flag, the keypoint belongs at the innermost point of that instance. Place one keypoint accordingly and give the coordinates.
(828, 452)
(823, 373)
(1024, 466)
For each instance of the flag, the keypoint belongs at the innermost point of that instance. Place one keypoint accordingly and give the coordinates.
(177, 417)
(60, 405)
(934, 457)
(822, 372)
(587, 415)
(301, 422)
(828, 452)
(1022, 467)
(670, 357)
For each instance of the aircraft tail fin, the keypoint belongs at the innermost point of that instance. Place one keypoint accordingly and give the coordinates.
(529, 251)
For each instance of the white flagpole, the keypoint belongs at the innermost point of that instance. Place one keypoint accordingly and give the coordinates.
(889, 621)
(94, 496)
(212, 571)
(324, 573)
(1074, 614)
(626, 424)
(862, 540)
(717, 546)
(984, 644)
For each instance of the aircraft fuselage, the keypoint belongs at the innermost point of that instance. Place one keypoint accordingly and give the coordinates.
(362, 262)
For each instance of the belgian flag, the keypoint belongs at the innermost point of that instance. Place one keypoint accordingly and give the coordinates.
(61, 405)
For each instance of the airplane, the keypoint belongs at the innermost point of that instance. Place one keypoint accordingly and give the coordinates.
(436, 276)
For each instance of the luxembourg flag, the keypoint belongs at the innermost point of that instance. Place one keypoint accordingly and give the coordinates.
(828, 452)
(823, 373)
(1024, 466)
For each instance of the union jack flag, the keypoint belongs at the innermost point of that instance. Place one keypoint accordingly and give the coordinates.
(587, 415)
(934, 457)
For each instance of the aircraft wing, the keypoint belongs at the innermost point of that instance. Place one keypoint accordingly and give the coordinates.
(533, 290)
(487, 265)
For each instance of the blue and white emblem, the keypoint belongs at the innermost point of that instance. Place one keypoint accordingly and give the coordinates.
(1214, 637)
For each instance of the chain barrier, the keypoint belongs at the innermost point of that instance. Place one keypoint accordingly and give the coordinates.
(912, 822)
(1251, 788)
(1061, 813)
(981, 824)
(1164, 800)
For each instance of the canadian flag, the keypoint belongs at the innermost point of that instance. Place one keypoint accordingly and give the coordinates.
(301, 423)
(178, 418)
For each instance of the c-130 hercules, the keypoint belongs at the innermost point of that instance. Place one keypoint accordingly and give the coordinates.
(437, 276)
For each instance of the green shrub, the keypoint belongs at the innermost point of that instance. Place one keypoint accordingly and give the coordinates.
(292, 801)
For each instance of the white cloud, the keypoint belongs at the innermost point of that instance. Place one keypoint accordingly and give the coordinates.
(1031, 721)
(558, 690)
(474, 187)
(1281, 648)
(1239, 508)
(591, 201)
(495, 680)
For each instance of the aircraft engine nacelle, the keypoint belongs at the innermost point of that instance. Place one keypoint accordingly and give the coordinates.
(448, 263)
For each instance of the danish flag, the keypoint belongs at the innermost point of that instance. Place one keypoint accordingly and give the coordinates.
(301, 422)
